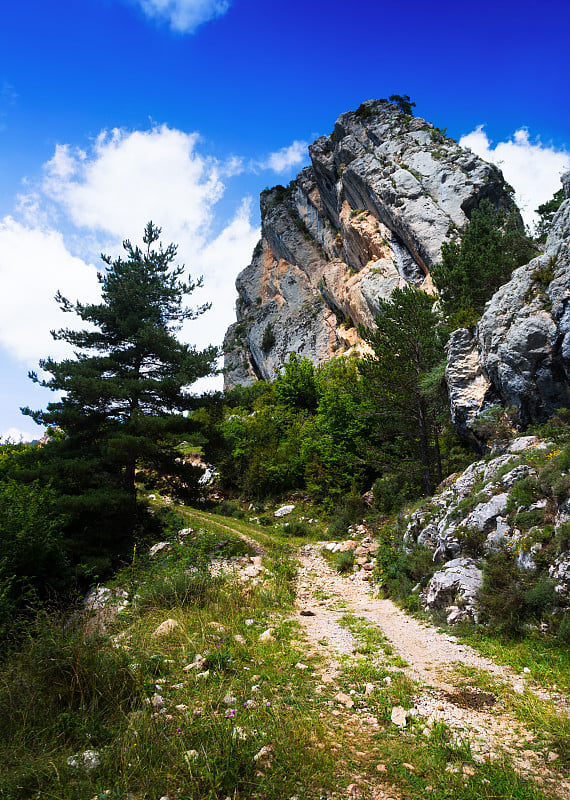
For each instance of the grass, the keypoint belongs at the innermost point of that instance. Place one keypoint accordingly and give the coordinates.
(161, 729)
(372, 640)
(548, 723)
(247, 721)
(547, 659)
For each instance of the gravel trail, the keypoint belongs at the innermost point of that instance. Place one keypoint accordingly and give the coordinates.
(431, 657)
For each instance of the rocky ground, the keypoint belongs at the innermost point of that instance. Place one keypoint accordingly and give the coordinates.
(431, 659)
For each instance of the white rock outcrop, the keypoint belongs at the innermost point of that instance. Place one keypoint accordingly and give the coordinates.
(370, 214)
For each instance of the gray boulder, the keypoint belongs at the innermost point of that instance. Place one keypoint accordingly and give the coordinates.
(456, 585)
(484, 514)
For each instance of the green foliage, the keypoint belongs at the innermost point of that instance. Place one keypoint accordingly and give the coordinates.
(122, 402)
(510, 598)
(492, 245)
(179, 588)
(228, 509)
(543, 274)
(344, 561)
(546, 212)
(268, 338)
(495, 423)
(296, 387)
(407, 347)
(391, 491)
(33, 563)
(331, 443)
(399, 571)
(297, 528)
(403, 102)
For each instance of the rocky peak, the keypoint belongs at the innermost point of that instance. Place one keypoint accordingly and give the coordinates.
(382, 194)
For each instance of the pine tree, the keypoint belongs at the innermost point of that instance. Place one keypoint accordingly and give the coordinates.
(123, 393)
(406, 348)
(493, 245)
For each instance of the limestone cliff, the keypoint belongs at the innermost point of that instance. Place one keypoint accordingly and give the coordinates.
(520, 352)
(383, 193)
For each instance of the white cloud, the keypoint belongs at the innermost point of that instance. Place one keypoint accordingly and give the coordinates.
(183, 16)
(34, 265)
(100, 197)
(16, 435)
(132, 177)
(531, 167)
(291, 156)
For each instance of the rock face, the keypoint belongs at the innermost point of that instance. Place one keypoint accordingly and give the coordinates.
(520, 352)
(480, 512)
(383, 193)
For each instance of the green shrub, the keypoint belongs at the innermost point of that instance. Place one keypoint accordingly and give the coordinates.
(266, 520)
(344, 561)
(338, 527)
(180, 588)
(228, 509)
(268, 338)
(65, 676)
(563, 632)
(33, 558)
(471, 541)
(525, 492)
(510, 598)
(562, 537)
(495, 423)
(296, 528)
(389, 493)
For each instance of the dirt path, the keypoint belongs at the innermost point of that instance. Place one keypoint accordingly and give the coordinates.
(257, 548)
(431, 658)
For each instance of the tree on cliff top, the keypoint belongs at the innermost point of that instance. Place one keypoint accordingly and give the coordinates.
(123, 394)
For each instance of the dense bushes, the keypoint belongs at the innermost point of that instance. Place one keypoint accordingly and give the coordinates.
(510, 597)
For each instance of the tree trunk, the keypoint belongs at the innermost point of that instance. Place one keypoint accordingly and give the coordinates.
(424, 450)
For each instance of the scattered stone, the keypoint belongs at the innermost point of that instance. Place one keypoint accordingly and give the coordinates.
(89, 760)
(191, 756)
(344, 699)
(460, 578)
(229, 700)
(306, 613)
(267, 636)
(239, 639)
(399, 716)
(157, 701)
(284, 511)
(298, 665)
(166, 628)
(368, 689)
(157, 548)
(264, 754)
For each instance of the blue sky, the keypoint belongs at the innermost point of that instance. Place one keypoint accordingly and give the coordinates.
(113, 112)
